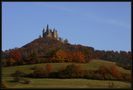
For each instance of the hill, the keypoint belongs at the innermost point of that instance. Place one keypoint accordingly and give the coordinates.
(66, 83)
(51, 48)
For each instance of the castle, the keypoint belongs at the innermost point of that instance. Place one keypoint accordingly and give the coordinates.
(50, 33)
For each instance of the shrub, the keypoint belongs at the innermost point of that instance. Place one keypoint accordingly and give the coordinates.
(103, 70)
(127, 77)
(39, 72)
(33, 68)
(72, 71)
(89, 74)
(54, 75)
(110, 72)
(129, 67)
(3, 86)
(48, 68)
(115, 72)
(25, 81)
(18, 73)
(16, 79)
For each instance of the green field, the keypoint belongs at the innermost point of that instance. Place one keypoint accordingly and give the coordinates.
(62, 83)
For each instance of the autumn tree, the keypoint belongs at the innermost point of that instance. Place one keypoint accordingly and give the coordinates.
(72, 71)
(11, 62)
(115, 72)
(15, 54)
(33, 58)
(61, 55)
(48, 68)
(78, 56)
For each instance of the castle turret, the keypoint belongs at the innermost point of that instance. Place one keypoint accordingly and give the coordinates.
(54, 33)
(49, 32)
(47, 28)
(43, 32)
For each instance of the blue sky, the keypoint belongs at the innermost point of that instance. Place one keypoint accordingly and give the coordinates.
(102, 25)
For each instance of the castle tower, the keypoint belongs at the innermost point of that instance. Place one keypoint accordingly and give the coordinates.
(47, 28)
(54, 33)
(43, 32)
(49, 32)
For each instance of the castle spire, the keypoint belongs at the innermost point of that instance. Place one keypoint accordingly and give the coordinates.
(47, 28)
(43, 31)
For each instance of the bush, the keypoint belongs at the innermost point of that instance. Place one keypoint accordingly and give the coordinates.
(76, 71)
(39, 72)
(25, 81)
(48, 68)
(33, 68)
(127, 77)
(129, 67)
(54, 75)
(89, 74)
(16, 79)
(72, 71)
(3, 86)
(18, 73)
(115, 72)
(110, 72)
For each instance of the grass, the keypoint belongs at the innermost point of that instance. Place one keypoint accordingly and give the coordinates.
(69, 83)
(63, 83)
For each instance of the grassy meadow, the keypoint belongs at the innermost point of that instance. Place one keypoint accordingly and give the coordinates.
(63, 83)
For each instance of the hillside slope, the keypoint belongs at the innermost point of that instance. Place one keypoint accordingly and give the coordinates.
(47, 83)
(52, 50)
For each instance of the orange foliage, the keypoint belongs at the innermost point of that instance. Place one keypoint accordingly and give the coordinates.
(61, 54)
(115, 72)
(78, 56)
(15, 54)
(49, 68)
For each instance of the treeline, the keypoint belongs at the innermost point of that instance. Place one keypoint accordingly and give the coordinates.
(45, 50)
(76, 71)
(19, 57)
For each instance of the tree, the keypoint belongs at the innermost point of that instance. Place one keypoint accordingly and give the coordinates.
(32, 58)
(15, 54)
(78, 56)
(39, 72)
(115, 72)
(48, 68)
(10, 62)
(72, 71)
(61, 55)
(4, 62)
(3, 85)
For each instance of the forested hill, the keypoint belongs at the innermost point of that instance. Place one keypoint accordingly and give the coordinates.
(47, 49)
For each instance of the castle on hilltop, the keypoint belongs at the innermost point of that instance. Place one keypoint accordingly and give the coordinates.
(49, 33)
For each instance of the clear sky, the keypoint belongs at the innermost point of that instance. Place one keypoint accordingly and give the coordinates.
(102, 25)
